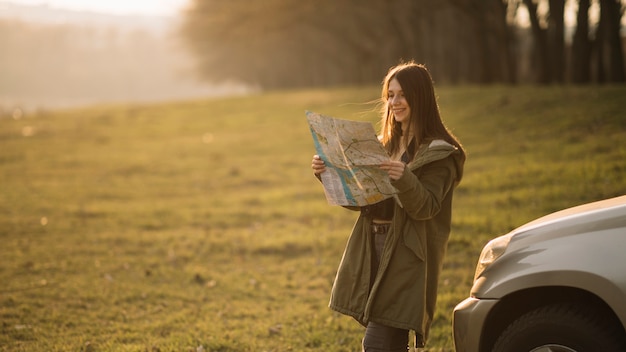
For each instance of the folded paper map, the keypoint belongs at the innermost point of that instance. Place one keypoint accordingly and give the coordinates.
(352, 153)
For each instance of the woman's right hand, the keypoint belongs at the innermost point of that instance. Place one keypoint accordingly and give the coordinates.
(318, 165)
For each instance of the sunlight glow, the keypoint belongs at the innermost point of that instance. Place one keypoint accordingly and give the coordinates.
(117, 7)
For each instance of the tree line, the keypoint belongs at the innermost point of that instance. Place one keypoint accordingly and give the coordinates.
(288, 43)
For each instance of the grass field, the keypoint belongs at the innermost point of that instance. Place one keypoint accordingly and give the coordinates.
(198, 226)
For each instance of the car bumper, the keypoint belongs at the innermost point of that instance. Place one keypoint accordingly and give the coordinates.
(468, 321)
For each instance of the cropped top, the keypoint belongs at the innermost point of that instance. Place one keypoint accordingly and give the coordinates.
(382, 210)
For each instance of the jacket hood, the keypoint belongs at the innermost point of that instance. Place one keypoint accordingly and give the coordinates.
(436, 150)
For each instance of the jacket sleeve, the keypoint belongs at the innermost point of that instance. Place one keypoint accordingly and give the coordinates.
(422, 190)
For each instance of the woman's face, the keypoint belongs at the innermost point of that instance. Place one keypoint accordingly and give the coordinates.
(398, 103)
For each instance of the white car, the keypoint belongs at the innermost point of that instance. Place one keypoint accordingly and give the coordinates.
(556, 284)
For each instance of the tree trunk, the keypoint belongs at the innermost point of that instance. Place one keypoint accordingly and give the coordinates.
(581, 46)
(540, 53)
(610, 43)
(556, 38)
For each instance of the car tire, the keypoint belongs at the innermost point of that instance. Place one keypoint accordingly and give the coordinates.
(561, 328)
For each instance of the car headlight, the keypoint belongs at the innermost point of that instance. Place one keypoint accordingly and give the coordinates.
(492, 251)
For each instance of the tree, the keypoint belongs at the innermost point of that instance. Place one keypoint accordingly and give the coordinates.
(581, 46)
(556, 40)
(540, 48)
(610, 60)
(489, 39)
(289, 43)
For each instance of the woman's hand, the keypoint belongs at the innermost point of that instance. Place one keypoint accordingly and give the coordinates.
(395, 169)
(318, 165)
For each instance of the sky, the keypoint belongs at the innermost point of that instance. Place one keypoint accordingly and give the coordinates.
(116, 7)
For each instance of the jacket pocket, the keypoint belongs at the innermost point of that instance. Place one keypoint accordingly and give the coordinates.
(415, 240)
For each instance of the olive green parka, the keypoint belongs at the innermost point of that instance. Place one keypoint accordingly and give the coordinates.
(404, 291)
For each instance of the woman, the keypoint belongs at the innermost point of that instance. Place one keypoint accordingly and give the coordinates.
(388, 276)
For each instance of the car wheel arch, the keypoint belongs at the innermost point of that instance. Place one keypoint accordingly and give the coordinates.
(516, 304)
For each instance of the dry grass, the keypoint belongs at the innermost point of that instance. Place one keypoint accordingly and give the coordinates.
(198, 226)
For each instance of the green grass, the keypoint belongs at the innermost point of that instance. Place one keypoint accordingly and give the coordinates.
(198, 225)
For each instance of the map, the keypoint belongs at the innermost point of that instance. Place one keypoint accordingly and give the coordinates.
(352, 154)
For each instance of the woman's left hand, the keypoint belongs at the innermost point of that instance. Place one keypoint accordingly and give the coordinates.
(395, 169)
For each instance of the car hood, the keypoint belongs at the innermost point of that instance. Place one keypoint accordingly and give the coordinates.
(556, 244)
(605, 214)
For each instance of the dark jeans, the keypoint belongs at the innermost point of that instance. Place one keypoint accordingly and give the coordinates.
(381, 338)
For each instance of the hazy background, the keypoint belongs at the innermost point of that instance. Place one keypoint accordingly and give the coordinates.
(53, 57)
(59, 53)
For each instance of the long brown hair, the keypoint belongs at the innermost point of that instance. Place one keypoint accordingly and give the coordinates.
(425, 122)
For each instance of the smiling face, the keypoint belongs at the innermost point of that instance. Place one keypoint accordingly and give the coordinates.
(409, 111)
(398, 104)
